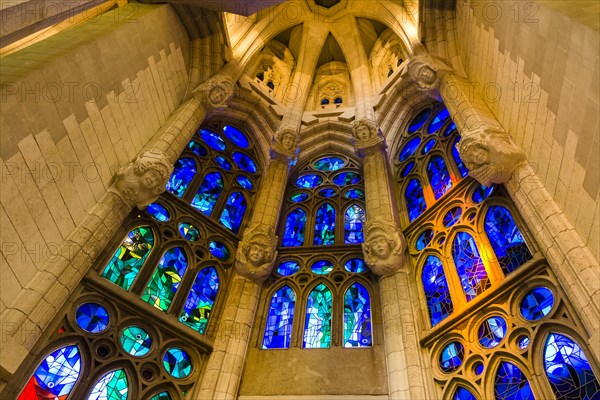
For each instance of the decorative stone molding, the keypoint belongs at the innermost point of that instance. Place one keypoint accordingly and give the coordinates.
(384, 247)
(426, 71)
(284, 145)
(215, 92)
(489, 154)
(256, 252)
(143, 180)
(367, 137)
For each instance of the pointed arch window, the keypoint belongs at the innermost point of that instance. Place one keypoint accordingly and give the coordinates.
(324, 226)
(166, 278)
(354, 220)
(415, 201)
(511, 383)
(294, 228)
(278, 329)
(357, 317)
(208, 194)
(113, 385)
(439, 177)
(183, 174)
(463, 394)
(234, 211)
(506, 239)
(317, 328)
(200, 302)
(437, 292)
(459, 162)
(469, 265)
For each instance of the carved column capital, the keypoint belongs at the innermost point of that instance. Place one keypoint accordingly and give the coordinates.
(426, 71)
(215, 92)
(284, 146)
(143, 180)
(256, 252)
(384, 247)
(367, 137)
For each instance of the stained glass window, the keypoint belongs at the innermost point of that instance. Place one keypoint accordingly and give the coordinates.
(166, 278)
(506, 239)
(212, 139)
(189, 231)
(436, 289)
(329, 164)
(219, 250)
(288, 268)
(511, 384)
(355, 265)
(438, 176)
(162, 396)
(244, 162)
(299, 197)
(353, 225)
(136, 341)
(354, 194)
(177, 363)
(463, 394)
(419, 121)
(568, 369)
(410, 148)
(199, 304)
(317, 328)
(437, 121)
(278, 329)
(470, 268)
(415, 202)
(309, 181)
(183, 173)
(158, 212)
(294, 228)
(112, 386)
(459, 162)
(236, 136)
(322, 267)
(208, 194)
(346, 178)
(327, 193)
(537, 303)
(234, 211)
(92, 317)
(491, 332)
(324, 226)
(424, 239)
(451, 357)
(223, 163)
(130, 257)
(357, 317)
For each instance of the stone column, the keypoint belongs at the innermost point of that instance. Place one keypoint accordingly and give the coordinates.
(384, 251)
(255, 259)
(137, 184)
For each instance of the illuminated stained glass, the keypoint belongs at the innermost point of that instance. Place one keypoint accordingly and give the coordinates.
(481, 193)
(452, 217)
(162, 396)
(208, 194)
(353, 225)
(166, 279)
(130, 257)
(463, 394)
(136, 341)
(112, 386)
(428, 146)
(244, 182)
(355, 265)
(197, 148)
(511, 384)
(92, 317)
(199, 304)
(329, 164)
(55, 377)
(317, 328)
(357, 317)
(568, 369)
(244, 162)
(215, 141)
(288, 268)
(278, 329)
(327, 192)
(177, 363)
(410, 148)
(491, 332)
(470, 268)
(234, 211)
(295, 225)
(438, 176)
(299, 197)
(183, 173)
(438, 120)
(451, 357)
(236, 136)
(189, 231)
(464, 171)
(218, 250)
(223, 163)
(322, 267)
(537, 303)
(354, 194)
(437, 293)
(309, 181)
(424, 239)
(523, 342)
(346, 178)
(450, 129)
(408, 169)
(158, 212)
(325, 226)
(506, 239)
(419, 120)
(415, 202)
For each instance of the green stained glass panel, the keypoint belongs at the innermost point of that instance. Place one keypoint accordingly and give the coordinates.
(199, 304)
(166, 279)
(177, 363)
(317, 328)
(136, 341)
(162, 396)
(112, 386)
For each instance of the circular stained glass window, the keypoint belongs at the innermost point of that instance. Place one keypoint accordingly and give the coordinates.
(408, 169)
(354, 194)
(244, 162)
(428, 146)
(452, 217)
(478, 368)
(92, 317)
(136, 341)
(346, 178)
(523, 342)
(299, 197)
(218, 250)
(215, 141)
(223, 163)
(329, 164)
(450, 129)
(355, 265)
(410, 148)
(158, 212)
(328, 192)
(197, 148)
(322, 267)
(236, 136)
(189, 231)
(309, 181)
(537, 303)
(424, 239)
(452, 357)
(177, 363)
(481, 193)
(491, 332)
(244, 182)
(419, 120)
(288, 268)
(438, 120)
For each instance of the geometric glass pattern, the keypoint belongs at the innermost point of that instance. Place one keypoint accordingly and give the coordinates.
(288, 268)
(92, 317)
(511, 384)
(197, 148)
(158, 212)
(237, 137)
(463, 394)
(346, 178)
(177, 363)
(537, 303)
(354, 194)
(309, 181)
(424, 239)
(244, 162)
(112, 386)
(568, 370)
(219, 250)
(329, 164)
(317, 328)
(166, 278)
(451, 357)
(464, 171)
(410, 148)
(353, 225)
(223, 163)
(233, 213)
(438, 120)
(409, 167)
(299, 197)
(208, 194)
(436, 289)
(278, 329)
(438, 176)
(415, 202)
(452, 217)
(136, 341)
(450, 129)
(129, 257)
(523, 342)
(428, 146)
(199, 304)
(183, 173)
(328, 192)
(324, 226)
(506, 239)
(189, 231)
(294, 228)
(55, 377)
(213, 140)
(481, 193)
(357, 317)
(491, 332)
(419, 120)
(355, 265)
(470, 268)
(322, 267)
(162, 396)
(244, 182)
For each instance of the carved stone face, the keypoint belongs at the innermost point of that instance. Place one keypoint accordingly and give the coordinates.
(380, 247)
(256, 254)
(427, 75)
(363, 132)
(476, 155)
(140, 189)
(287, 140)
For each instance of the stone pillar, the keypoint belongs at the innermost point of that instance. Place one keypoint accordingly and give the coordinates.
(384, 251)
(254, 263)
(137, 184)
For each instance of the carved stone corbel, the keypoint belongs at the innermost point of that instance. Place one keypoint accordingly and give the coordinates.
(143, 180)
(426, 71)
(284, 145)
(384, 247)
(215, 92)
(367, 137)
(256, 252)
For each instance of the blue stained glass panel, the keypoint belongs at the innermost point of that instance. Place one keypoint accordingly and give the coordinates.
(166, 279)
(355, 265)
(278, 328)
(523, 342)
(136, 341)
(329, 164)
(408, 169)
(481, 193)
(288, 268)
(346, 178)
(322, 267)
(158, 212)
(450, 129)
(177, 363)
(568, 369)
(357, 317)
(295, 225)
(506, 239)
(437, 292)
(415, 202)
(189, 231)
(112, 386)
(428, 146)
(438, 120)
(451, 357)
(218, 250)
(244, 162)
(208, 194)
(354, 194)
(244, 182)
(130, 257)
(325, 226)
(452, 217)
(223, 163)
(215, 141)
(537, 303)
(299, 197)
(233, 213)
(309, 181)
(92, 317)
(410, 148)
(317, 329)
(183, 173)
(199, 304)
(236, 136)
(463, 394)
(491, 332)
(439, 177)
(419, 120)
(511, 384)
(162, 396)
(327, 193)
(470, 268)
(353, 225)
(424, 239)
(464, 171)
(197, 148)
